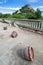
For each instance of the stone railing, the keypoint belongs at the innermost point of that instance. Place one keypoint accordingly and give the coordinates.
(28, 23)
(33, 24)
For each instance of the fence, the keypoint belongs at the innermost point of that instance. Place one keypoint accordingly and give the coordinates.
(33, 24)
(29, 23)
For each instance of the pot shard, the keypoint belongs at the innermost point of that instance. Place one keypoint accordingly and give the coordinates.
(14, 34)
(5, 28)
(27, 53)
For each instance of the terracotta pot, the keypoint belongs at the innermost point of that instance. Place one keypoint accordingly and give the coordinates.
(5, 28)
(28, 53)
(14, 34)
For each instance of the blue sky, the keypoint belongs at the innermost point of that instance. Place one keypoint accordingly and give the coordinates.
(10, 6)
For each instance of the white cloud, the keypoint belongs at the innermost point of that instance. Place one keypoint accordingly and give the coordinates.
(8, 9)
(4, 12)
(40, 7)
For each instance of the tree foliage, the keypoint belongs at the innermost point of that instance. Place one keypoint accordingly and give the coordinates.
(38, 14)
(6, 15)
(1, 15)
(26, 12)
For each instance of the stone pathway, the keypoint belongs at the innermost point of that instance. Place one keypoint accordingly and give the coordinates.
(9, 46)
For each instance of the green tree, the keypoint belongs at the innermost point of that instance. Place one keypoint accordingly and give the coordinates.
(38, 14)
(18, 16)
(6, 15)
(1, 15)
(30, 15)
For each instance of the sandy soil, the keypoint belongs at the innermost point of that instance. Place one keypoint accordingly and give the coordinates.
(9, 46)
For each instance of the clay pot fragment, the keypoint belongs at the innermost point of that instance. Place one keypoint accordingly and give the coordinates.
(5, 28)
(14, 34)
(27, 53)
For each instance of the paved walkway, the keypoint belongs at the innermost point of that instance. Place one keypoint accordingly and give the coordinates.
(9, 46)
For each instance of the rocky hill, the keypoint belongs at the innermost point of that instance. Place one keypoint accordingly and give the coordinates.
(25, 9)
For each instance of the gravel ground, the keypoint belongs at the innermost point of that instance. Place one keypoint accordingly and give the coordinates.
(9, 47)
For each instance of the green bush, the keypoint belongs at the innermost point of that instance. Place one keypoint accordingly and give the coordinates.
(30, 15)
(38, 14)
(6, 15)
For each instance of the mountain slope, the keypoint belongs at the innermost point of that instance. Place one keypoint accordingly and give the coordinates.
(25, 9)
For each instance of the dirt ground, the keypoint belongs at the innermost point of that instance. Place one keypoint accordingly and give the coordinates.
(9, 46)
